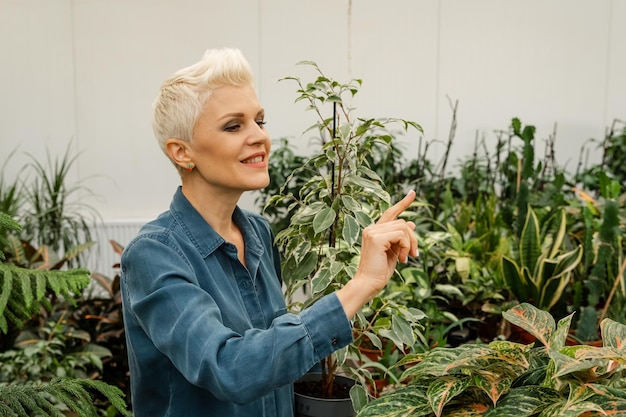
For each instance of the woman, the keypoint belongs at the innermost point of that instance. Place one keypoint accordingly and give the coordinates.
(207, 329)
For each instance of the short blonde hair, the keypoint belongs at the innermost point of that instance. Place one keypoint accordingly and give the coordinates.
(182, 96)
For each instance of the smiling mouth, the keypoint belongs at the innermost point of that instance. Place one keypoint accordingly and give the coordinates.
(254, 160)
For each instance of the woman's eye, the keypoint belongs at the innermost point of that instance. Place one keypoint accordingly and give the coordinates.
(232, 127)
(261, 123)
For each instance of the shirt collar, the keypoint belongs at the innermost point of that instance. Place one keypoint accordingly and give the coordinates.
(202, 235)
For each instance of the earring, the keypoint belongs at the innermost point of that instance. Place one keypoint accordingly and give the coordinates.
(189, 167)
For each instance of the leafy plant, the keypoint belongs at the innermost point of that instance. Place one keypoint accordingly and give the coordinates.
(56, 214)
(505, 378)
(341, 196)
(36, 398)
(599, 279)
(542, 268)
(11, 194)
(25, 292)
(53, 350)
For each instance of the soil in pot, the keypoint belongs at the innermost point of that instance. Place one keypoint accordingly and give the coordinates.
(309, 404)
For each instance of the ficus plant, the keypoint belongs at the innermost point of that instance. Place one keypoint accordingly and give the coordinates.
(502, 379)
(339, 195)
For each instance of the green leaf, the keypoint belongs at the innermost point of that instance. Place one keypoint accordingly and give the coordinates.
(321, 280)
(306, 266)
(494, 384)
(525, 402)
(407, 401)
(530, 241)
(443, 389)
(323, 220)
(514, 279)
(351, 230)
(350, 203)
(613, 334)
(363, 219)
(559, 337)
(537, 322)
(359, 396)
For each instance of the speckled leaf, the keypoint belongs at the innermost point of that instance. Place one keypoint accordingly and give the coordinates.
(537, 322)
(444, 389)
(612, 401)
(493, 384)
(558, 338)
(467, 410)
(565, 365)
(404, 402)
(613, 334)
(524, 402)
(567, 409)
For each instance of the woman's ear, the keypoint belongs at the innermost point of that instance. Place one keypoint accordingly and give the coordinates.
(178, 152)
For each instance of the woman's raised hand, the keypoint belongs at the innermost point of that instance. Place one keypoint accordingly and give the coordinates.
(383, 244)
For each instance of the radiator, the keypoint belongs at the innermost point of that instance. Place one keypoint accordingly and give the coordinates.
(102, 258)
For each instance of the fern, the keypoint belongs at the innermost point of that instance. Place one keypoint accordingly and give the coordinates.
(25, 400)
(24, 291)
(6, 224)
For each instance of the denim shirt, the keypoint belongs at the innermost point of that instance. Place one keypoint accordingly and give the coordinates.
(207, 336)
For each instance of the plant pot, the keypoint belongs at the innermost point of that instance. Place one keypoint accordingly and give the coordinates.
(309, 406)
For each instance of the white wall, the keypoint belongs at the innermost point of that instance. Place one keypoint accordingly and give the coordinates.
(86, 71)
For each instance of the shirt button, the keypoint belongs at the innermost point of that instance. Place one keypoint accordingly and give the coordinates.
(333, 341)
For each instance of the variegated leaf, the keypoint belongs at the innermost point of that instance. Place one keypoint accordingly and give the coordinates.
(567, 409)
(443, 389)
(559, 336)
(525, 402)
(404, 402)
(351, 230)
(537, 322)
(613, 334)
(565, 365)
(323, 219)
(494, 384)
(321, 280)
(467, 410)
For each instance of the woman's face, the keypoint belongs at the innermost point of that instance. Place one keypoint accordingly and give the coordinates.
(230, 146)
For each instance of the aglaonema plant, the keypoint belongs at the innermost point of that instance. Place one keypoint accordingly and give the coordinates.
(502, 379)
(340, 196)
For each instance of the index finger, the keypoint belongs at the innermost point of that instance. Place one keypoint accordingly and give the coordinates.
(394, 211)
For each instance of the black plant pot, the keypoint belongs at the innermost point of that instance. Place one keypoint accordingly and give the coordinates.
(307, 406)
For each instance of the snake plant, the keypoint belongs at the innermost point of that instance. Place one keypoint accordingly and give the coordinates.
(542, 267)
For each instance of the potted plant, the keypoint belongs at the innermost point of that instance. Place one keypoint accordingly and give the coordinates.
(541, 265)
(503, 378)
(26, 292)
(340, 195)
